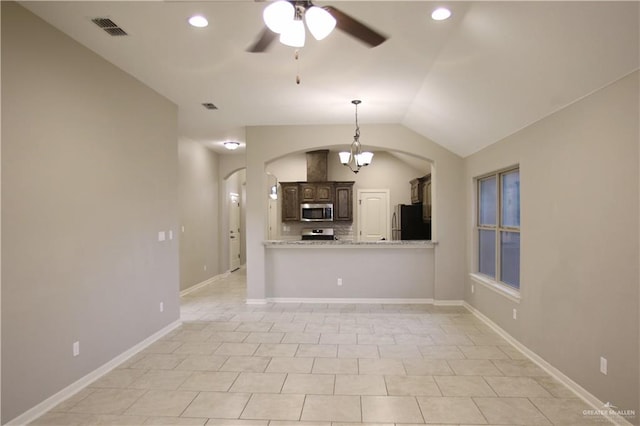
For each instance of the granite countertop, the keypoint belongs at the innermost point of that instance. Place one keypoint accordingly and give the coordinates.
(350, 243)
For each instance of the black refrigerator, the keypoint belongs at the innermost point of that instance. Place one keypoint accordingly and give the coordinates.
(407, 223)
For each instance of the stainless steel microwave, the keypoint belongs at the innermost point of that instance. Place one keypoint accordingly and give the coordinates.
(316, 212)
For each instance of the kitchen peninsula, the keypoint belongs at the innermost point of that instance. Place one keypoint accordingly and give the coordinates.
(350, 271)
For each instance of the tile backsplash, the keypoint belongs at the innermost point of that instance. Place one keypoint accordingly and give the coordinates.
(342, 230)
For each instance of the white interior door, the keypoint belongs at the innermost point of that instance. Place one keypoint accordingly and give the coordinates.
(234, 232)
(373, 215)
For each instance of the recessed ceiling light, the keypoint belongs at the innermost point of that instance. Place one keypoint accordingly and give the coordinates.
(198, 21)
(440, 14)
(231, 145)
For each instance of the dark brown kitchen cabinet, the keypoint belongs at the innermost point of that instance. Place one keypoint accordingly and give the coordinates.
(343, 205)
(426, 199)
(421, 194)
(416, 191)
(316, 192)
(290, 202)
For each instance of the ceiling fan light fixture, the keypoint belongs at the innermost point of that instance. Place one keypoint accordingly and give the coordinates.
(440, 14)
(278, 15)
(320, 22)
(293, 34)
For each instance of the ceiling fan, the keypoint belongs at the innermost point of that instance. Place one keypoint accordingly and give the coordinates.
(284, 19)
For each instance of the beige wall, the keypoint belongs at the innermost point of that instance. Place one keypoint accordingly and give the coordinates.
(579, 250)
(89, 178)
(265, 144)
(199, 213)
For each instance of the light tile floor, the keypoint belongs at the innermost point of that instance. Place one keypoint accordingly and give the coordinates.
(322, 364)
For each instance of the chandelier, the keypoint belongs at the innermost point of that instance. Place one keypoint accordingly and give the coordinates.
(355, 158)
(285, 18)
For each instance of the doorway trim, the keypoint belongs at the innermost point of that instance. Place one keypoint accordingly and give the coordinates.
(234, 232)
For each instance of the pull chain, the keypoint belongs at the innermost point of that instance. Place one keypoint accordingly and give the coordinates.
(297, 58)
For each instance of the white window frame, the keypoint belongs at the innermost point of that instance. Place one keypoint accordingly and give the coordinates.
(494, 284)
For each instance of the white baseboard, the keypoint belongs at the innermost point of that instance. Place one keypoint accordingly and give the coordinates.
(204, 283)
(449, 302)
(348, 300)
(46, 405)
(387, 301)
(581, 392)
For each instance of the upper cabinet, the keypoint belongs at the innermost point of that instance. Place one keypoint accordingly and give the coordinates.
(343, 206)
(426, 199)
(316, 192)
(421, 194)
(290, 201)
(416, 193)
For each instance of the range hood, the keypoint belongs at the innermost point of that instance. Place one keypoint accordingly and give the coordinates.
(317, 165)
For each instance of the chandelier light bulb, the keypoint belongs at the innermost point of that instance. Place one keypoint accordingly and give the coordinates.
(319, 21)
(278, 15)
(345, 156)
(366, 158)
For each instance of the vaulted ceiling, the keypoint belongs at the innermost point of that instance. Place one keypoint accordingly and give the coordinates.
(465, 83)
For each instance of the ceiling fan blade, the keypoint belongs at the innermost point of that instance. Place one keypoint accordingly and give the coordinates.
(356, 28)
(263, 41)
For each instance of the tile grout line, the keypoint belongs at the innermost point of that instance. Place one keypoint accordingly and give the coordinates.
(541, 412)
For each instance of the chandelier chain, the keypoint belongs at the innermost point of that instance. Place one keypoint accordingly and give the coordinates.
(357, 135)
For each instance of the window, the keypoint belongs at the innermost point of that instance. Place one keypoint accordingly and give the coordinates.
(498, 224)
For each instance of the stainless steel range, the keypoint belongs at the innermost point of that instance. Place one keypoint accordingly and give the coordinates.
(318, 234)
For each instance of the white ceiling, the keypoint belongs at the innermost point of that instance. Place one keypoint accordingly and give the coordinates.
(465, 83)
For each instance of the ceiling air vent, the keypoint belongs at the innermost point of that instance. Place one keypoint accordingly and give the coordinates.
(209, 105)
(109, 26)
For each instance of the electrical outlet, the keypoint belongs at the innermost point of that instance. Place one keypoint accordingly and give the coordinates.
(76, 348)
(473, 289)
(603, 365)
(161, 306)
(339, 281)
(161, 236)
(515, 313)
(183, 229)
(205, 267)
